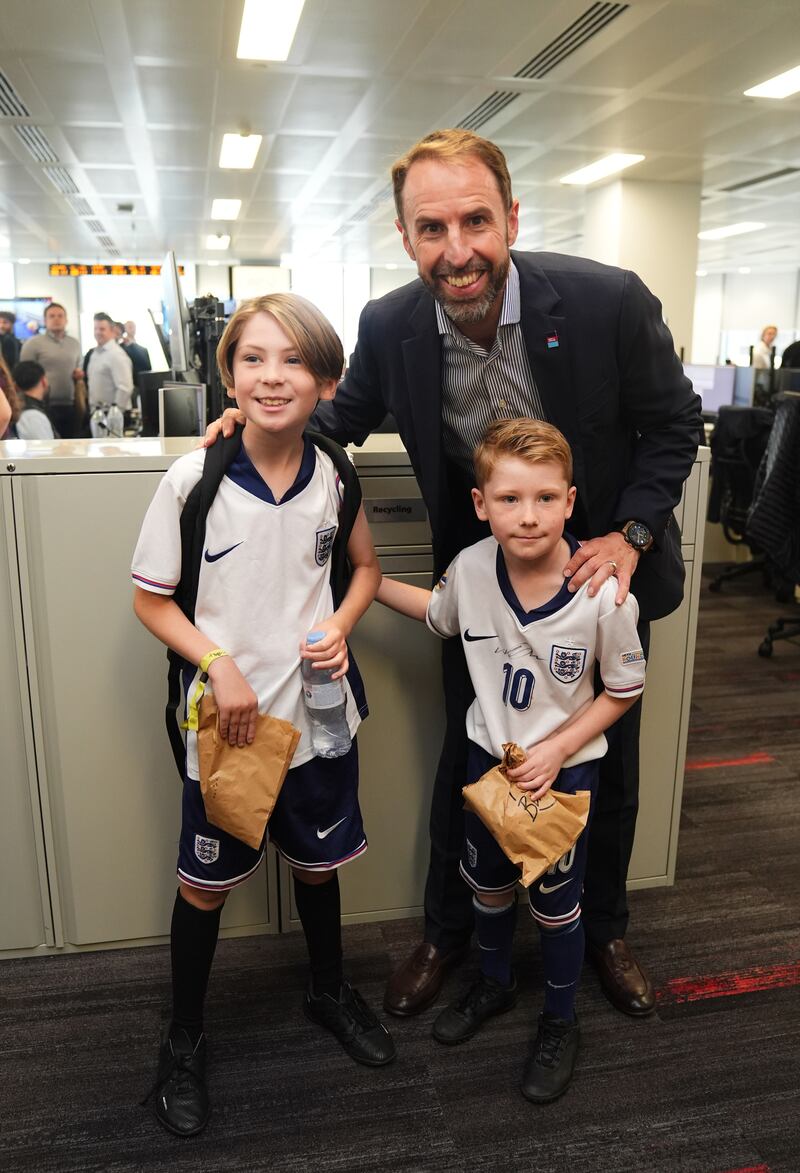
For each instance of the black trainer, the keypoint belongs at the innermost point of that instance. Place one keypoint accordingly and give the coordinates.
(180, 1089)
(356, 1027)
(548, 1072)
(484, 998)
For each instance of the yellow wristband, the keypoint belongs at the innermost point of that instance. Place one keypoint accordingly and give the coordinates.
(193, 715)
(209, 659)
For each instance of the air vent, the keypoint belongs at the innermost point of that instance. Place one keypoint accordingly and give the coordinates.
(61, 178)
(79, 205)
(574, 37)
(108, 244)
(11, 104)
(784, 171)
(35, 142)
(367, 209)
(95, 226)
(596, 18)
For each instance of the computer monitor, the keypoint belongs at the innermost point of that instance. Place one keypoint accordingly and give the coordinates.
(175, 316)
(182, 409)
(714, 385)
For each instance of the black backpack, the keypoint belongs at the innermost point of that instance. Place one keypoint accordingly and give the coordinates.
(218, 459)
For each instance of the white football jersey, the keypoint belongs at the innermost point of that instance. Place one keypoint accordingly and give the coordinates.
(532, 671)
(264, 578)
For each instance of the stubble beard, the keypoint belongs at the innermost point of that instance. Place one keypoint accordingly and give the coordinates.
(470, 311)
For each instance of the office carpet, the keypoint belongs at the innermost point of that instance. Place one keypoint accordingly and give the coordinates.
(709, 1084)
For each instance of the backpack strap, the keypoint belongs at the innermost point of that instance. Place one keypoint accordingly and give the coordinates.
(340, 566)
(218, 459)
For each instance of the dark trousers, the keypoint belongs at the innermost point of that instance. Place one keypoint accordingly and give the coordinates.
(64, 420)
(448, 900)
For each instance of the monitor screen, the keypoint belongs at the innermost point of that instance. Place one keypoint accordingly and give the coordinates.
(174, 315)
(714, 385)
(182, 409)
(29, 312)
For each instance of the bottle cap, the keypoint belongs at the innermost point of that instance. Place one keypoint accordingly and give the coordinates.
(314, 637)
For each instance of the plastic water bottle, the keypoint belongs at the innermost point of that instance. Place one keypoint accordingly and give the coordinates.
(115, 421)
(326, 703)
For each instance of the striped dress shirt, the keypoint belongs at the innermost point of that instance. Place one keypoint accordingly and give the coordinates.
(479, 386)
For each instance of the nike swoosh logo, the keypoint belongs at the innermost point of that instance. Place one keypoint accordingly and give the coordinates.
(552, 888)
(324, 834)
(222, 553)
(473, 638)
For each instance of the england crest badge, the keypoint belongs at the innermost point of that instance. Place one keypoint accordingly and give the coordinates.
(567, 664)
(206, 850)
(324, 544)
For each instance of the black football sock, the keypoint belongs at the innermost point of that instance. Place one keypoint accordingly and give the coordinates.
(495, 930)
(319, 907)
(193, 940)
(562, 961)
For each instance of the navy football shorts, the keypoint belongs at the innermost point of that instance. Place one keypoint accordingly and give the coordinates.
(555, 897)
(316, 825)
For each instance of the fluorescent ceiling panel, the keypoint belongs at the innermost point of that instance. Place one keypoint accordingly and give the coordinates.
(225, 209)
(781, 86)
(268, 28)
(609, 165)
(239, 151)
(730, 230)
(219, 242)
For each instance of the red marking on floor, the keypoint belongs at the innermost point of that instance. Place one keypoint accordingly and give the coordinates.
(727, 985)
(749, 1169)
(753, 759)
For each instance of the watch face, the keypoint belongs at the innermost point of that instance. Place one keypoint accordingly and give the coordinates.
(638, 535)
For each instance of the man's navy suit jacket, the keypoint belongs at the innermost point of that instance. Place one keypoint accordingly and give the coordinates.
(612, 384)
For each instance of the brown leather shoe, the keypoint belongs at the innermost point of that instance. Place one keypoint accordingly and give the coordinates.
(624, 982)
(416, 983)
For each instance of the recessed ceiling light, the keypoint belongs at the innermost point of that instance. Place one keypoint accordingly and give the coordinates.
(212, 264)
(4, 241)
(602, 168)
(225, 209)
(730, 230)
(219, 242)
(239, 151)
(781, 86)
(391, 266)
(268, 28)
(23, 260)
(744, 269)
(701, 273)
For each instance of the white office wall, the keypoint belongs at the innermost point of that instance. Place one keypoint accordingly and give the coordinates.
(707, 327)
(384, 280)
(7, 284)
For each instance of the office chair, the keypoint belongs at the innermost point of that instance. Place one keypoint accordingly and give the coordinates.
(774, 520)
(737, 443)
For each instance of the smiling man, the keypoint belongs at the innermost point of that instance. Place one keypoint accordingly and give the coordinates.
(484, 334)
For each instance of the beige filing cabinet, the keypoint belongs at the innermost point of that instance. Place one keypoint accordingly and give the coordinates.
(91, 797)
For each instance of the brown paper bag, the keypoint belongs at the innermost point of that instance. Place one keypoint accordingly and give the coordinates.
(240, 784)
(533, 833)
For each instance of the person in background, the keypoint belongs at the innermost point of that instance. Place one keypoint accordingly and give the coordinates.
(34, 422)
(108, 369)
(60, 355)
(762, 351)
(138, 355)
(9, 343)
(9, 405)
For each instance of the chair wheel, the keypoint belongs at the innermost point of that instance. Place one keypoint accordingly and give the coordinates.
(715, 586)
(765, 648)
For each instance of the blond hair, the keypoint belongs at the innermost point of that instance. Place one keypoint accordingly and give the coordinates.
(448, 146)
(318, 344)
(527, 439)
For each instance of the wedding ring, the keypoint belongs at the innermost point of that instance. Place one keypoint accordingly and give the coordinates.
(613, 565)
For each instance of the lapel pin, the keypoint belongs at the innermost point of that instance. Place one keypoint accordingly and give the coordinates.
(552, 341)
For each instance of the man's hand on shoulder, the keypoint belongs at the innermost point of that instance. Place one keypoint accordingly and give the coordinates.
(230, 417)
(598, 559)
